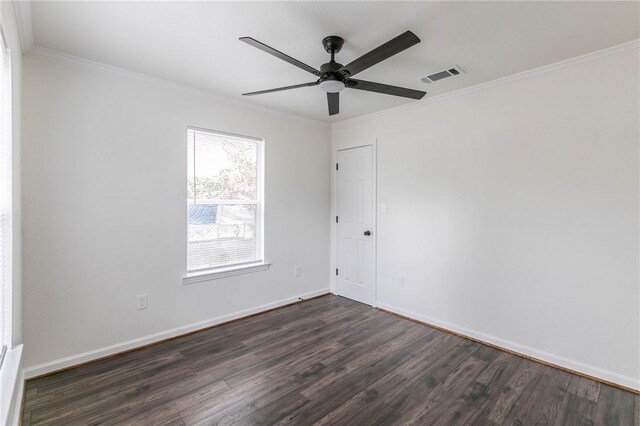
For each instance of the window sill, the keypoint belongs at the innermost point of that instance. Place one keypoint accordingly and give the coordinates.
(216, 274)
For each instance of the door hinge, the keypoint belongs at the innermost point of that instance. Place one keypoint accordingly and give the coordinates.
(336, 271)
(336, 219)
(336, 166)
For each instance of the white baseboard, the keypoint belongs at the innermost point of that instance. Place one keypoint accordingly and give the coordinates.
(15, 415)
(59, 364)
(579, 367)
(11, 383)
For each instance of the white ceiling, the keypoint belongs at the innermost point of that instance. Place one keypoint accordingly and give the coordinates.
(196, 43)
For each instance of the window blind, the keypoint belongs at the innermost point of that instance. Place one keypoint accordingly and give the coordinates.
(6, 223)
(223, 200)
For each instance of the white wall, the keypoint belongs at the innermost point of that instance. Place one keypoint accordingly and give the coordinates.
(513, 214)
(104, 165)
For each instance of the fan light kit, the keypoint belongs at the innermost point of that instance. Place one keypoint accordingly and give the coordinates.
(333, 77)
(331, 86)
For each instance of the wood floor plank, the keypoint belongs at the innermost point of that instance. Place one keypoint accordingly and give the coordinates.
(355, 361)
(615, 407)
(406, 405)
(431, 388)
(584, 388)
(441, 402)
(358, 409)
(525, 377)
(335, 394)
(473, 404)
(576, 410)
(329, 361)
(542, 406)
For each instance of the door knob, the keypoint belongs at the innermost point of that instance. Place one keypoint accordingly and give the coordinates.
(367, 233)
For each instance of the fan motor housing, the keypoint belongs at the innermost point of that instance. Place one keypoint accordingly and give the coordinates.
(330, 67)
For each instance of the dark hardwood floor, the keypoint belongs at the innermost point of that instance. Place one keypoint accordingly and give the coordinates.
(327, 361)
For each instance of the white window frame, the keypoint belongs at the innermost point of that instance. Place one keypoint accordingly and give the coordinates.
(206, 274)
(6, 137)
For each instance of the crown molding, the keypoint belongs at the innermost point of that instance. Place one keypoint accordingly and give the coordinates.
(24, 22)
(621, 49)
(55, 56)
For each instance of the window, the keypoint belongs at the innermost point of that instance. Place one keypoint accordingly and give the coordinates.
(224, 201)
(6, 223)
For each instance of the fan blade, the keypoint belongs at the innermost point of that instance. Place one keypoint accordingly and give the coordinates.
(278, 54)
(296, 86)
(370, 86)
(333, 99)
(380, 53)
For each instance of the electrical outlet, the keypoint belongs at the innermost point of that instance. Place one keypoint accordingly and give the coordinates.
(400, 281)
(297, 271)
(141, 301)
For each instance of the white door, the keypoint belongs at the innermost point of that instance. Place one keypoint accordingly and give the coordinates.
(355, 251)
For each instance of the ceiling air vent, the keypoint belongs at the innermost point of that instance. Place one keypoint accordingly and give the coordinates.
(451, 72)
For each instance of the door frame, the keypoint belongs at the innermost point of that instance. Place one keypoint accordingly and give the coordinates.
(374, 224)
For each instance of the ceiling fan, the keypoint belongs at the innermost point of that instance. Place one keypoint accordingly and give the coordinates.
(333, 76)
